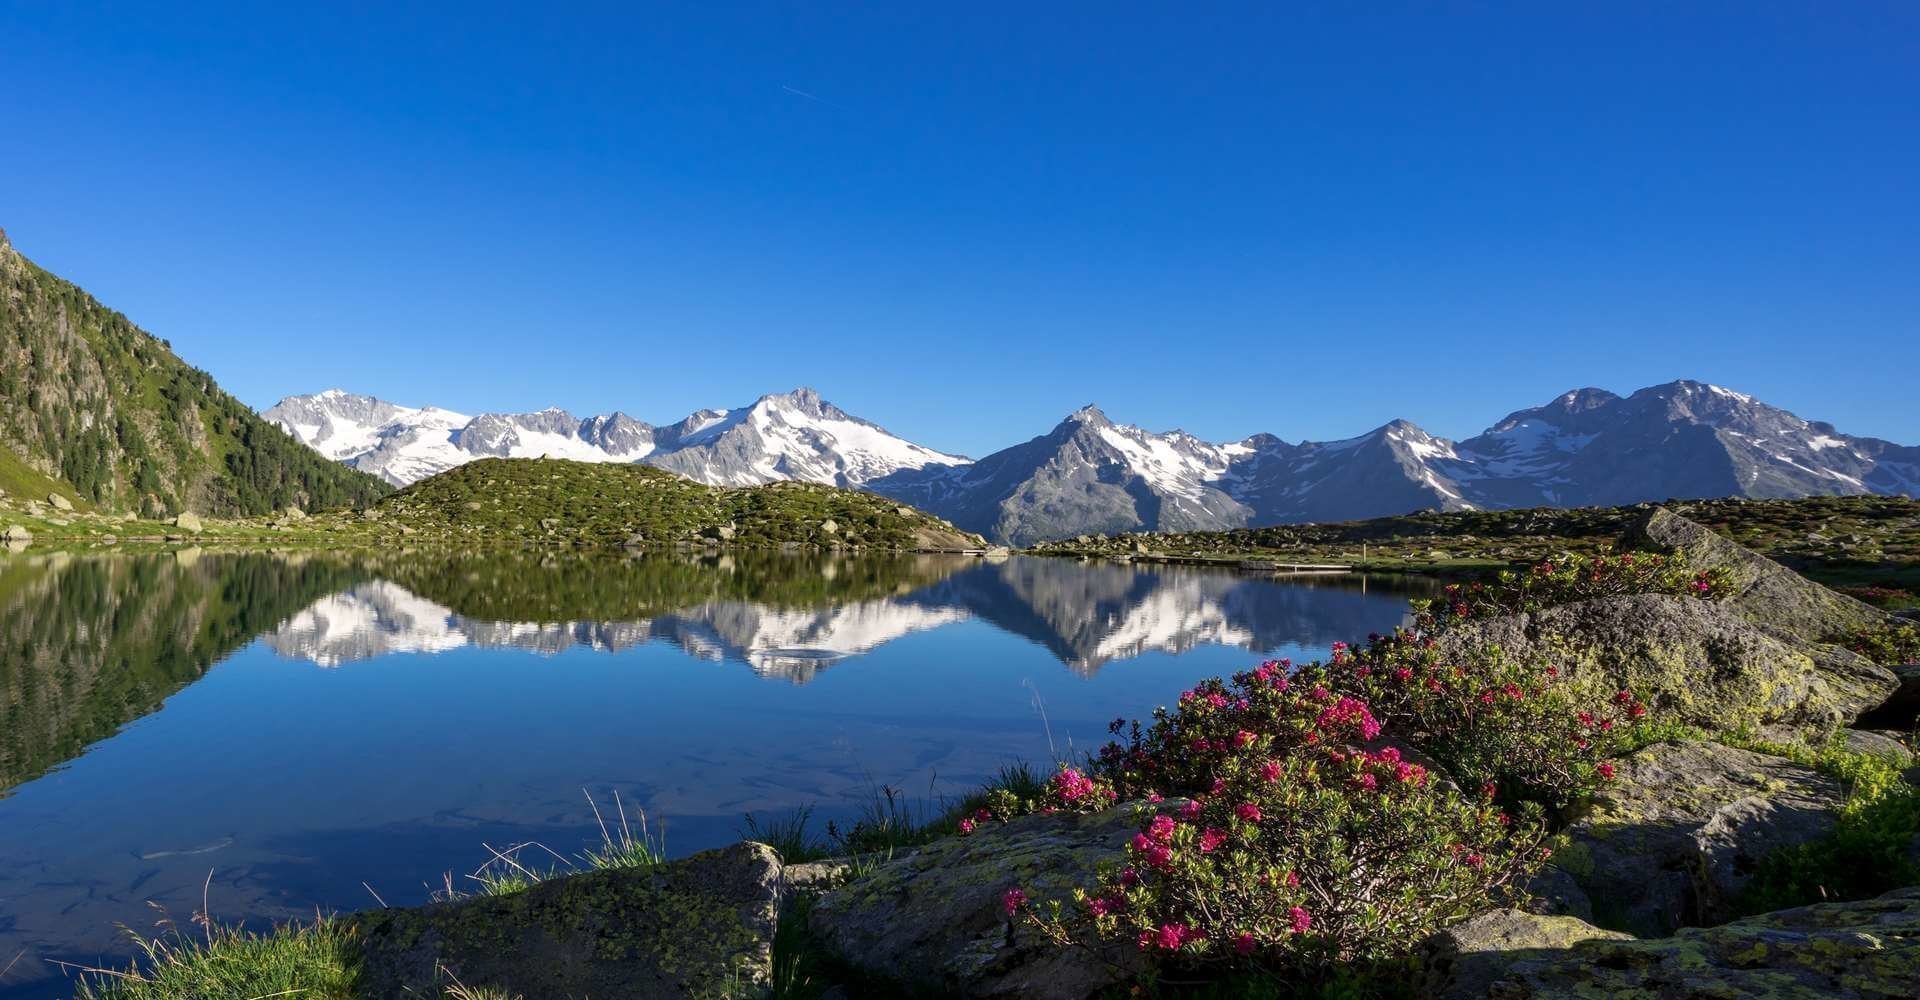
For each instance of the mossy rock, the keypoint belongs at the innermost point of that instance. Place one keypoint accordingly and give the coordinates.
(1764, 592)
(1694, 661)
(698, 927)
(933, 921)
(1676, 836)
(1865, 950)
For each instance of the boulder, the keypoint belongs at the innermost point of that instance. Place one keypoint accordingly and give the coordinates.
(1764, 592)
(934, 922)
(1465, 960)
(1694, 661)
(700, 926)
(188, 521)
(1864, 950)
(1675, 837)
(16, 533)
(59, 502)
(294, 514)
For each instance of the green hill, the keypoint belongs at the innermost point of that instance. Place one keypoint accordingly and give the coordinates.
(93, 400)
(547, 501)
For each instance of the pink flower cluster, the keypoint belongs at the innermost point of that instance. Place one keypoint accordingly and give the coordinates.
(1350, 712)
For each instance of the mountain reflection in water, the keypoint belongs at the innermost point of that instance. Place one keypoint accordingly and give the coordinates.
(161, 716)
(1085, 615)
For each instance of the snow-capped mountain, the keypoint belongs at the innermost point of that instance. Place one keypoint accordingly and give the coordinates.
(1090, 475)
(794, 435)
(1587, 447)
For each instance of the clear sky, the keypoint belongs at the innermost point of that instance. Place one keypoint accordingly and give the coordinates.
(965, 220)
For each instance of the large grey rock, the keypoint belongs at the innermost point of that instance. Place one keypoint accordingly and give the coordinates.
(701, 926)
(1694, 661)
(59, 502)
(1467, 959)
(188, 521)
(1764, 592)
(1865, 950)
(1675, 837)
(17, 533)
(933, 921)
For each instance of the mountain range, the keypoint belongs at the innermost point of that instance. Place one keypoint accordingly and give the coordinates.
(1090, 475)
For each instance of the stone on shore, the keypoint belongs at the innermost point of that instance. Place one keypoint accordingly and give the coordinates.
(697, 927)
(933, 921)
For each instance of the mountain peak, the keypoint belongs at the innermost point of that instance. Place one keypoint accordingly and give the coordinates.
(1088, 414)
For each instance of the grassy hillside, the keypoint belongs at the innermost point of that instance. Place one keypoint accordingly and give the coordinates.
(93, 400)
(1866, 544)
(543, 501)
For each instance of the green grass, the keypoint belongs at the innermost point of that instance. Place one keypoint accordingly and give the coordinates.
(318, 960)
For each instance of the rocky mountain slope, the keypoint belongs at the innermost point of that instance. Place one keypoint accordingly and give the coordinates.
(786, 436)
(108, 409)
(1090, 475)
(1587, 447)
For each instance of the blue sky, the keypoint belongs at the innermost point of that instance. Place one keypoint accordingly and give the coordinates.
(966, 221)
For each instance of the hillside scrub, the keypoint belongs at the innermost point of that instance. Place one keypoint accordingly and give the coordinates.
(88, 397)
(546, 501)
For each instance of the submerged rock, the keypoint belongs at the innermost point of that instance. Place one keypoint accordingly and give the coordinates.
(1865, 950)
(933, 921)
(700, 926)
(1674, 839)
(1764, 592)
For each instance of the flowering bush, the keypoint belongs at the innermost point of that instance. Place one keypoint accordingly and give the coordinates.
(1295, 846)
(1566, 579)
(1890, 645)
(1516, 724)
(1069, 790)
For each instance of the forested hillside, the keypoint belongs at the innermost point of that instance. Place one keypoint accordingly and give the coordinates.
(87, 396)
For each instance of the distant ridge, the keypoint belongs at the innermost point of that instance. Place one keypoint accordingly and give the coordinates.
(1586, 447)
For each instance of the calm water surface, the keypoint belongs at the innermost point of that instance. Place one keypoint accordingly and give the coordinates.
(297, 726)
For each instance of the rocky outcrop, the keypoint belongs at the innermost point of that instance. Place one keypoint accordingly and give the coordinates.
(1764, 592)
(1866, 950)
(933, 921)
(700, 926)
(1674, 838)
(1694, 661)
(1467, 959)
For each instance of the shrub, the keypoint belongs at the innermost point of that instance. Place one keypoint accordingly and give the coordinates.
(1518, 724)
(1295, 847)
(1889, 645)
(1566, 579)
(1519, 728)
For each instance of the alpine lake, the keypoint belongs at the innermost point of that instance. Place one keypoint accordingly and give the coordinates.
(267, 735)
